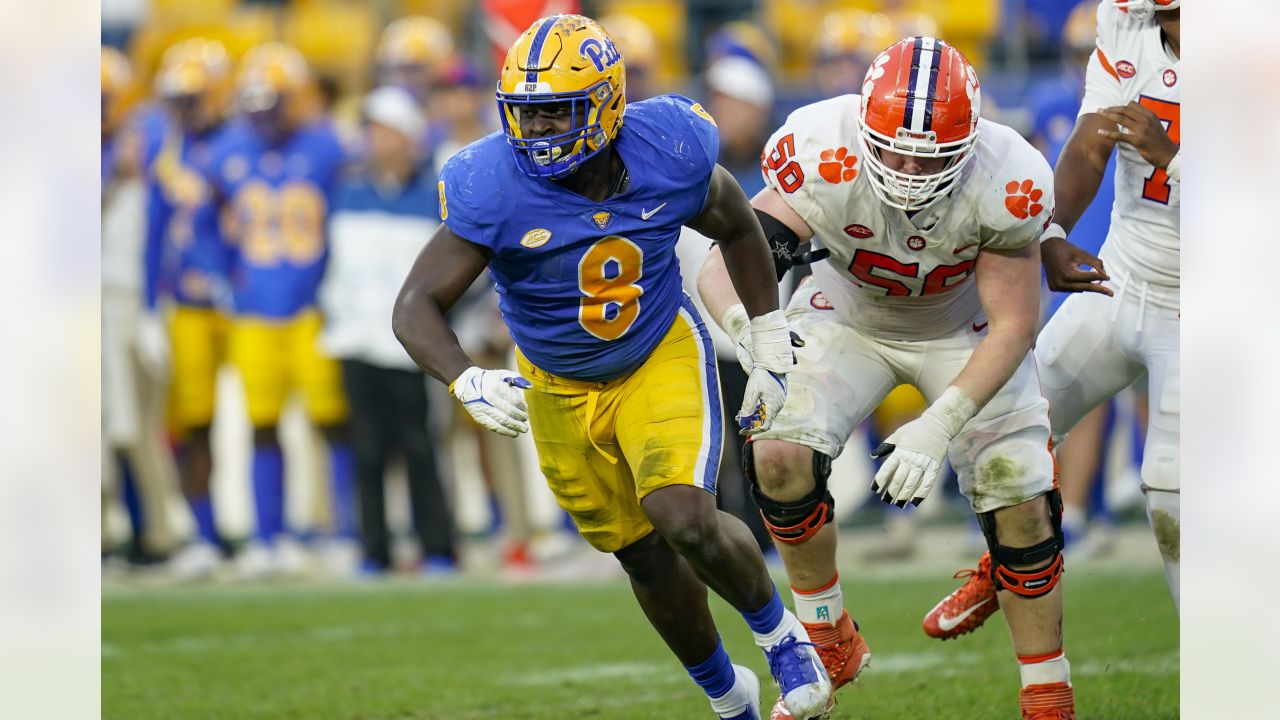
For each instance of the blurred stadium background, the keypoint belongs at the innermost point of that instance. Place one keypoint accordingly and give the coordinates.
(188, 615)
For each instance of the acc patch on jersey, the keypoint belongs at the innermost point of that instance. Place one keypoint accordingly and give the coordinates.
(536, 238)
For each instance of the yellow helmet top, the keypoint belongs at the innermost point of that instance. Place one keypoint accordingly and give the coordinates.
(414, 40)
(197, 67)
(567, 61)
(275, 75)
(636, 42)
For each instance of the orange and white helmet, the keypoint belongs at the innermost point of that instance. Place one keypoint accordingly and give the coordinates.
(921, 98)
(1145, 9)
(563, 59)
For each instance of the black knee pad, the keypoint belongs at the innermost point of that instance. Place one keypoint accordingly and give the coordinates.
(793, 521)
(1045, 557)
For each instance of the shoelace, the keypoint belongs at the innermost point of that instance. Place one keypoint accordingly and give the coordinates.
(787, 663)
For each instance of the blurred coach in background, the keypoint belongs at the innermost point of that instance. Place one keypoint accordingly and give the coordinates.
(381, 219)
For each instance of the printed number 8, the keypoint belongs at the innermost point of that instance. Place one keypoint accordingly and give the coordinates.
(602, 290)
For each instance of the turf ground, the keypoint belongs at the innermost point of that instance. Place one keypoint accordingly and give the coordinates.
(471, 649)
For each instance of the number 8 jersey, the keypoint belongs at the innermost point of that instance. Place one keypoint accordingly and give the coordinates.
(1131, 63)
(891, 276)
(588, 289)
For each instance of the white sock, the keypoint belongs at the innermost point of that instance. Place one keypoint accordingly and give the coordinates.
(824, 605)
(1042, 672)
(788, 625)
(738, 697)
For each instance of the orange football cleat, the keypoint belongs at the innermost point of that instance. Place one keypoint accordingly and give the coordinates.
(844, 654)
(964, 610)
(1051, 701)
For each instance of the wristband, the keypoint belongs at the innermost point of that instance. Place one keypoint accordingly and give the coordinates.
(1053, 231)
(1174, 168)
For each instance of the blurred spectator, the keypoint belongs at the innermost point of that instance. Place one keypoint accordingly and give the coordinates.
(716, 27)
(135, 361)
(277, 179)
(741, 101)
(186, 270)
(381, 218)
(462, 107)
(639, 50)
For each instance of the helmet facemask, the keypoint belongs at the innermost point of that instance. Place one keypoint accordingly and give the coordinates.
(903, 190)
(557, 155)
(1143, 10)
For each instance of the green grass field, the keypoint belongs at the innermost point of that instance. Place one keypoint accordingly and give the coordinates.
(480, 649)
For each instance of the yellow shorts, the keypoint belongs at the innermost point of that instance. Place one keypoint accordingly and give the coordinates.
(275, 357)
(604, 446)
(198, 337)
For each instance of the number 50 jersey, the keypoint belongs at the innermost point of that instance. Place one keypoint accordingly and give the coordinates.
(891, 276)
(588, 289)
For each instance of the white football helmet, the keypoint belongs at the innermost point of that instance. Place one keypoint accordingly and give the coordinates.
(1145, 9)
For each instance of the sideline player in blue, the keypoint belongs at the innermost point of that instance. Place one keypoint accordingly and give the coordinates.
(276, 179)
(576, 212)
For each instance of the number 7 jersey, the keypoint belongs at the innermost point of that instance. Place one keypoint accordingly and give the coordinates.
(1131, 64)
(889, 275)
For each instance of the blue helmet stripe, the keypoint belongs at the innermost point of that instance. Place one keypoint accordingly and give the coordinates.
(535, 49)
(909, 115)
(935, 65)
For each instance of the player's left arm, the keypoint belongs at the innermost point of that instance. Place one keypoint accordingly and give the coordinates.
(728, 219)
(1139, 127)
(1009, 289)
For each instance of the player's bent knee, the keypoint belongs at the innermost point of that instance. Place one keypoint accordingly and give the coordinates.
(796, 520)
(1030, 570)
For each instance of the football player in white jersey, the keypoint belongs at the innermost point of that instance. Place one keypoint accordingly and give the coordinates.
(1124, 319)
(932, 219)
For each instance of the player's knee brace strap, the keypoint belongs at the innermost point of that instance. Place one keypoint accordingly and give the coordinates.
(1045, 558)
(794, 521)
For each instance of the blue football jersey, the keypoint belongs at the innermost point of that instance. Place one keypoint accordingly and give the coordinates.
(277, 202)
(588, 289)
(186, 255)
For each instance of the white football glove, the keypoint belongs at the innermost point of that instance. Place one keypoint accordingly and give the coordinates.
(494, 399)
(916, 450)
(771, 357)
(151, 342)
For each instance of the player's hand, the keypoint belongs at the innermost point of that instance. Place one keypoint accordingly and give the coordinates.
(495, 398)
(1062, 268)
(1139, 127)
(771, 356)
(152, 345)
(916, 450)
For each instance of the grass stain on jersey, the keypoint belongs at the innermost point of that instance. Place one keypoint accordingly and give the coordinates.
(999, 471)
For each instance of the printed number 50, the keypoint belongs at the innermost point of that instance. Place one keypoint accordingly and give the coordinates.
(607, 277)
(790, 176)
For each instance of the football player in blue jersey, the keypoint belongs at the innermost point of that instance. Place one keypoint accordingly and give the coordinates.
(185, 266)
(575, 211)
(276, 176)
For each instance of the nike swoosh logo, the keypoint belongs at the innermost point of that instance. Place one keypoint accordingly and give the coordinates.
(646, 214)
(962, 248)
(947, 624)
(979, 327)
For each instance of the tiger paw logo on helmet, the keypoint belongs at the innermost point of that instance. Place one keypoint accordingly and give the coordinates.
(837, 165)
(1024, 199)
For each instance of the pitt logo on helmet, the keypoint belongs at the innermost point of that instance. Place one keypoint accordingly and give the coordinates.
(545, 76)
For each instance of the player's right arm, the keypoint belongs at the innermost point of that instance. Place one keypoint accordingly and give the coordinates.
(444, 269)
(1080, 169)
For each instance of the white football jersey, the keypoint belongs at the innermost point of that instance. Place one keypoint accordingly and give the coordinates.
(1132, 63)
(891, 276)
